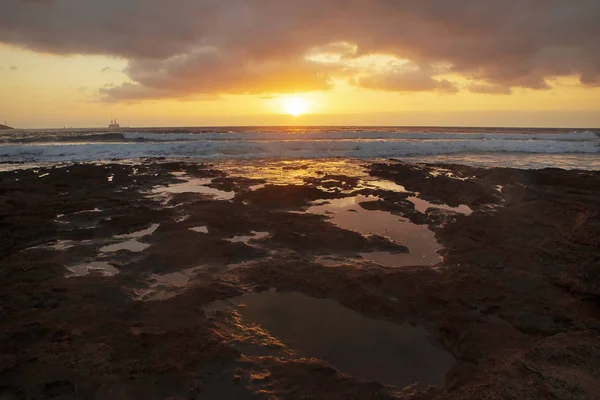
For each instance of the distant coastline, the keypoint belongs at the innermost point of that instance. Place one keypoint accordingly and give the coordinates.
(5, 127)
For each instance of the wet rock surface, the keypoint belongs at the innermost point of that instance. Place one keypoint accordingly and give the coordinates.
(514, 303)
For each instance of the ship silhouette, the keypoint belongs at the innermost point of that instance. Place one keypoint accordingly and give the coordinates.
(114, 124)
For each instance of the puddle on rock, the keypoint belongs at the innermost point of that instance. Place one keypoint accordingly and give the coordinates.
(181, 219)
(257, 187)
(435, 172)
(200, 229)
(139, 234)
(95, 210)
(347, 214)
(194, 185)
(175, 279)
(60, 245)
(387, 185)
(422, 206)
(166, 286)
(335, 261)
(101, 267)
(363, 347)
(245, 239)
(133, 244)
(130, 245)
(66, 244)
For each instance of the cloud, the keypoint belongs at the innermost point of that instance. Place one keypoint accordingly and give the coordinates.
(132, 92)
(206, 70)
(488, 89)
(407, 77)
(406, 82)
(261, 46)
(14, 68)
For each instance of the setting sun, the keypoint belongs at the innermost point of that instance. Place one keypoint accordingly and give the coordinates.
(296, 105)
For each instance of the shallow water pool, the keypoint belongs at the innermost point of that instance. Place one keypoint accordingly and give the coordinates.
(363, 347)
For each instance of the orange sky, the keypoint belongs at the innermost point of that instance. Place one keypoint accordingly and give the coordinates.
(46, 90)
(71, 63)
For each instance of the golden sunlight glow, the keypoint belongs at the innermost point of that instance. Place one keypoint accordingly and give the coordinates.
(296, 105)
(25, 87)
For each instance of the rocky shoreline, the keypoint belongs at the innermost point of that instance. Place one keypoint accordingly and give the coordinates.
(108, 273)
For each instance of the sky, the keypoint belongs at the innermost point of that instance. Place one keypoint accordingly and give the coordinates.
(79, 63)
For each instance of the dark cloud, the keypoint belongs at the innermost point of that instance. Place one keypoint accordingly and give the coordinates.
(259, 46)
(14, 68)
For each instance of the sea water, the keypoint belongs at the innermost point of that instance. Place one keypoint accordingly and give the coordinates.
(522, 148)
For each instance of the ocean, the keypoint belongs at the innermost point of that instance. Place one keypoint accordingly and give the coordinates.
(511, 147)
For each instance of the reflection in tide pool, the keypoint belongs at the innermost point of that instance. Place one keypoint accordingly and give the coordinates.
(291, 172)
(193, 185)
(132, 245)
(348, 214)
(363, 347)
(423, 205)
(387, 185)
(166, 286)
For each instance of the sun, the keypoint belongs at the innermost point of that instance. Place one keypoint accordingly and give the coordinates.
(296, 105)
